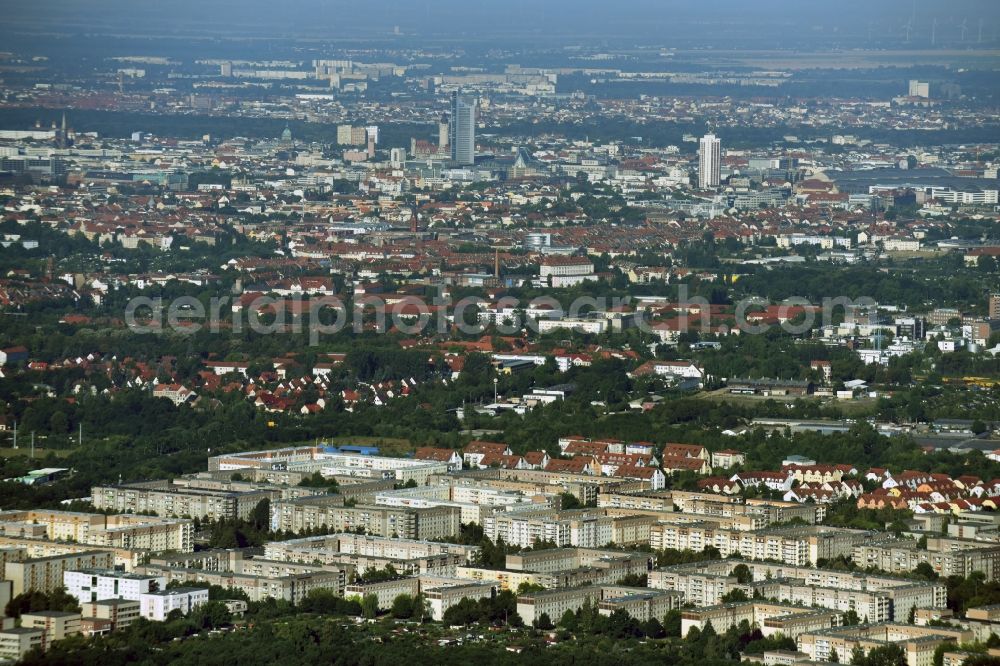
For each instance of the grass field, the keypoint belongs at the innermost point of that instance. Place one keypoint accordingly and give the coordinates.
(918, 254)
(22, 451)
(847, 406)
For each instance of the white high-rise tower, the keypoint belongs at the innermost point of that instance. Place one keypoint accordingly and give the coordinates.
(709, 162)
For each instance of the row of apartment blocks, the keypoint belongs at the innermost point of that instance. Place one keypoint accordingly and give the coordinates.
(439, 592)
(34, 548)
(207, 496)
(818, 633)
(39, 629)
(95, 529)
(364, 552)
(193, 497)
(584, 487)
(292, 569)
(875, 598)
(770, 617)
(946, 556)
(641, 603)
(731, 511)
(260, 579)
(330, 512)
(106, 593)
(584, 528)
(757, 520)
(377, 507)
(45, 574)
(773, 511)
(430, 511)
(797, 546)
(475, 503)
(918, 643)
(562, 568)
(806, 621)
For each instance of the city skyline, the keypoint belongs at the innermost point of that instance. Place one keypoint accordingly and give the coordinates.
(524, 333)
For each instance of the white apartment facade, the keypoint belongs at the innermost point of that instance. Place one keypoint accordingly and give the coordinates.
(89, 585)
(156, 606)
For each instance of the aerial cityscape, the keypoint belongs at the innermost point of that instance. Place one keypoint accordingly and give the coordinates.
(448, 332)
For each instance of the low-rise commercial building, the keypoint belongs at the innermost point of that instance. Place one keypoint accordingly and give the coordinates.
(120, 613)
(18, 641)
(440, 598)
(641, 603)
(57, 625)
(983, 621)
(384, 590)
(156, 606)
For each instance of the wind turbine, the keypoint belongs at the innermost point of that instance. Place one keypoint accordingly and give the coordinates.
(908, 27)
(934, 32)
(965, 28)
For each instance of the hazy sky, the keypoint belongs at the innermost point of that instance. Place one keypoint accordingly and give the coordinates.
(470, 18)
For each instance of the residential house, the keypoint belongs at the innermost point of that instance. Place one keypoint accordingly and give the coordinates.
(685, 451)
(449, 456)
(475, 451)
(675, 464)
(719, 485)
(577, 465)
(728, 458)
(175, 393)
(813, 473)
(10, 355)
(656, 478)
(773, 480)
(536, 459)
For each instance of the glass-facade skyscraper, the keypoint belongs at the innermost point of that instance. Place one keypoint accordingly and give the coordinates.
(462, 130)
